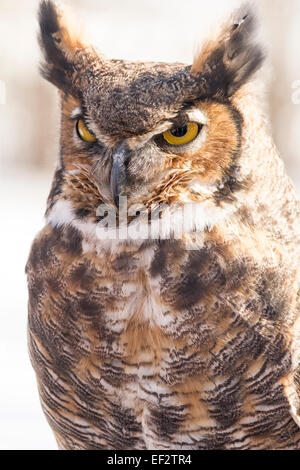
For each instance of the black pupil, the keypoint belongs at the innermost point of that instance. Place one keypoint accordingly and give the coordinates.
(179, 131)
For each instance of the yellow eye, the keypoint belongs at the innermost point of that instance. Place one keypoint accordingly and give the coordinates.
(182, 135)
(83, 132)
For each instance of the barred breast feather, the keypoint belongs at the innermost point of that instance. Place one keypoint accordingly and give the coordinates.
(136, 350)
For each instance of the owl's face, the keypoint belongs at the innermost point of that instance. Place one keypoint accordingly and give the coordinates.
(156, 133)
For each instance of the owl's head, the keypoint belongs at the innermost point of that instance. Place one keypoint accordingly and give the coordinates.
(155, 133)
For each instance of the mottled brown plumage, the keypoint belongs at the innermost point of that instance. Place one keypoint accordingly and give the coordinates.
(190, 342)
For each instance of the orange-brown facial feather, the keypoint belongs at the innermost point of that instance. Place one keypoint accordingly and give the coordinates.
(210, 161)
(223, 142)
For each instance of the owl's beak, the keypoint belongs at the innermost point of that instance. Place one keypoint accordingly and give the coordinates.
(120, 157)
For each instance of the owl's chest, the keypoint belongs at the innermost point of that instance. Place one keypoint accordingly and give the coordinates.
(159, 346)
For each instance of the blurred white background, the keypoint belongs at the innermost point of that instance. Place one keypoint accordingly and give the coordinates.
(168, 30)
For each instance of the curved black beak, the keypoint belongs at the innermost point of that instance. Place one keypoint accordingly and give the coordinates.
(120, 159)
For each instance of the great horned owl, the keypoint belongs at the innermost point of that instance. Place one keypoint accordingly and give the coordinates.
(186, 341)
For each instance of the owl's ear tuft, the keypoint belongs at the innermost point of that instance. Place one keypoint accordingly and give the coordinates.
(229, 61)
(58, 45)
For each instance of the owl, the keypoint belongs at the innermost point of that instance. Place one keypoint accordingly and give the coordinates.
(174, 323)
